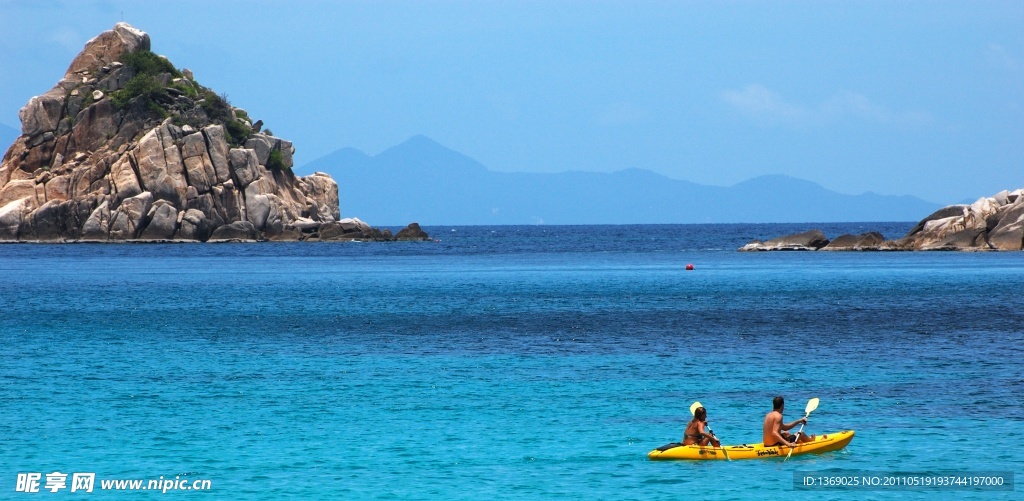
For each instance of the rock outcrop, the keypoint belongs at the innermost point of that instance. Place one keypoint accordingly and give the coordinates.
(990, 223)
(808, 240)
(127, 147)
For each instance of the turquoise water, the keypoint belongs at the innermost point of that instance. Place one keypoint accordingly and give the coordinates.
(504, 362)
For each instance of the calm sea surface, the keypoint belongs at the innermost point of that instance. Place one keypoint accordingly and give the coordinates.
(505, 362)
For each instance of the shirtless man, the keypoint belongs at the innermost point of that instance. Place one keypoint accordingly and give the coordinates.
(774, 429)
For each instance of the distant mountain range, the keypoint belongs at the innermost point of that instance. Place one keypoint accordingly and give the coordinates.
(423, 181)
(7, 136)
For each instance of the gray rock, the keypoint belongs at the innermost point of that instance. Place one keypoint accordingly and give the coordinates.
(871, 240)
(107, 47)
(335, 231)
(97, 227)
(970, 238)
(193, 226)
(217, 148)
(257, 209)
(1008, 234)
(161, 169)
(808, 240)
(11, 215)
(305, 225)
(163, 222)
(94, 126)
(17, 190)
(943, 213)
(238, 230)
(128, 218)
(287, 235)
(42, 113)
(122, 175)
(262, 146)
(45, 222)
(116, 79)
(245, 166)
(412, 232)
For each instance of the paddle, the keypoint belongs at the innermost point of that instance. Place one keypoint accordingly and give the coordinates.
(693, 410)
(811, 405)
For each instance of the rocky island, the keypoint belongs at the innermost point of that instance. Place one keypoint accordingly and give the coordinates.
(126, 147)
(991, 223)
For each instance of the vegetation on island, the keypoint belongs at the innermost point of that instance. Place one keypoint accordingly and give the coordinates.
(161, 89)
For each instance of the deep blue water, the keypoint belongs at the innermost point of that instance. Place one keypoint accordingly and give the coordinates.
(503, 362)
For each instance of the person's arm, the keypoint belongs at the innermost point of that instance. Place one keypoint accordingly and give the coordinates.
(790, 426)
(713, 440)
(780, 440)
(776, 432)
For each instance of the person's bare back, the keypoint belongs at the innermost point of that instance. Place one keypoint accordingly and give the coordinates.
(771, 432)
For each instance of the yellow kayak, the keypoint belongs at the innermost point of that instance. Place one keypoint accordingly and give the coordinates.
(822, 443)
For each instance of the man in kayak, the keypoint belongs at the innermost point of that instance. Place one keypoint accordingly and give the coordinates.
(774, 430)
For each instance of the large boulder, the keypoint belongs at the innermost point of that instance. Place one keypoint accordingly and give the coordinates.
(193, 226)
(163, 222)
(45, 222)
(97, 227)
(808, 240)
(198, 164)
(107, 48)
(160, 166)
(412, 232)
(236, 231)
(1008, 234)
(127, 220)
(18, 190)
(94, 126)
(42, 113)
(217, 149)
(11, 216)
(865, 241)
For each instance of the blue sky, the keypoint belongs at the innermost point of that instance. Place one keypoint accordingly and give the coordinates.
(922, 98)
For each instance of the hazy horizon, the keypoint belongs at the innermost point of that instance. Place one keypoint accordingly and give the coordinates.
(910, 98)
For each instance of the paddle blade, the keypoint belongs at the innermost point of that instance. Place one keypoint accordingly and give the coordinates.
(811, 405)
(694, 407)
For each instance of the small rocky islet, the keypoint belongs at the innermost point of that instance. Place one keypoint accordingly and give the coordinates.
(126, 147)
(990, 223)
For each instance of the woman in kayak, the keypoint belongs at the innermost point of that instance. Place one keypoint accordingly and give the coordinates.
(695, 430)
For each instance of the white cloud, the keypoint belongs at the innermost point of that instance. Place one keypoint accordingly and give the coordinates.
(621, 114)
(762, 103)
(67, 38)
(767, 107)
(997, 56)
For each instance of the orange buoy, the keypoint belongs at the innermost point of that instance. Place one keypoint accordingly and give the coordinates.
(689, 267)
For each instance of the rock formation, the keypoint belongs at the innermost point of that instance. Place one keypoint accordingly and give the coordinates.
(991, 223)
(808, 240)
(127, 147)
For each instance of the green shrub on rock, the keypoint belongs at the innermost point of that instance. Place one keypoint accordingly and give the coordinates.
(276, 160)
(145, 62)
(238, 132)
(142, 85)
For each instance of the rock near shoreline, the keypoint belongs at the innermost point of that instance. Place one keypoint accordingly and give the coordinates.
(991, 223)
(126, 147)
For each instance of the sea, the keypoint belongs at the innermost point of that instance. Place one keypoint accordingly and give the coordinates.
(506, 362)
